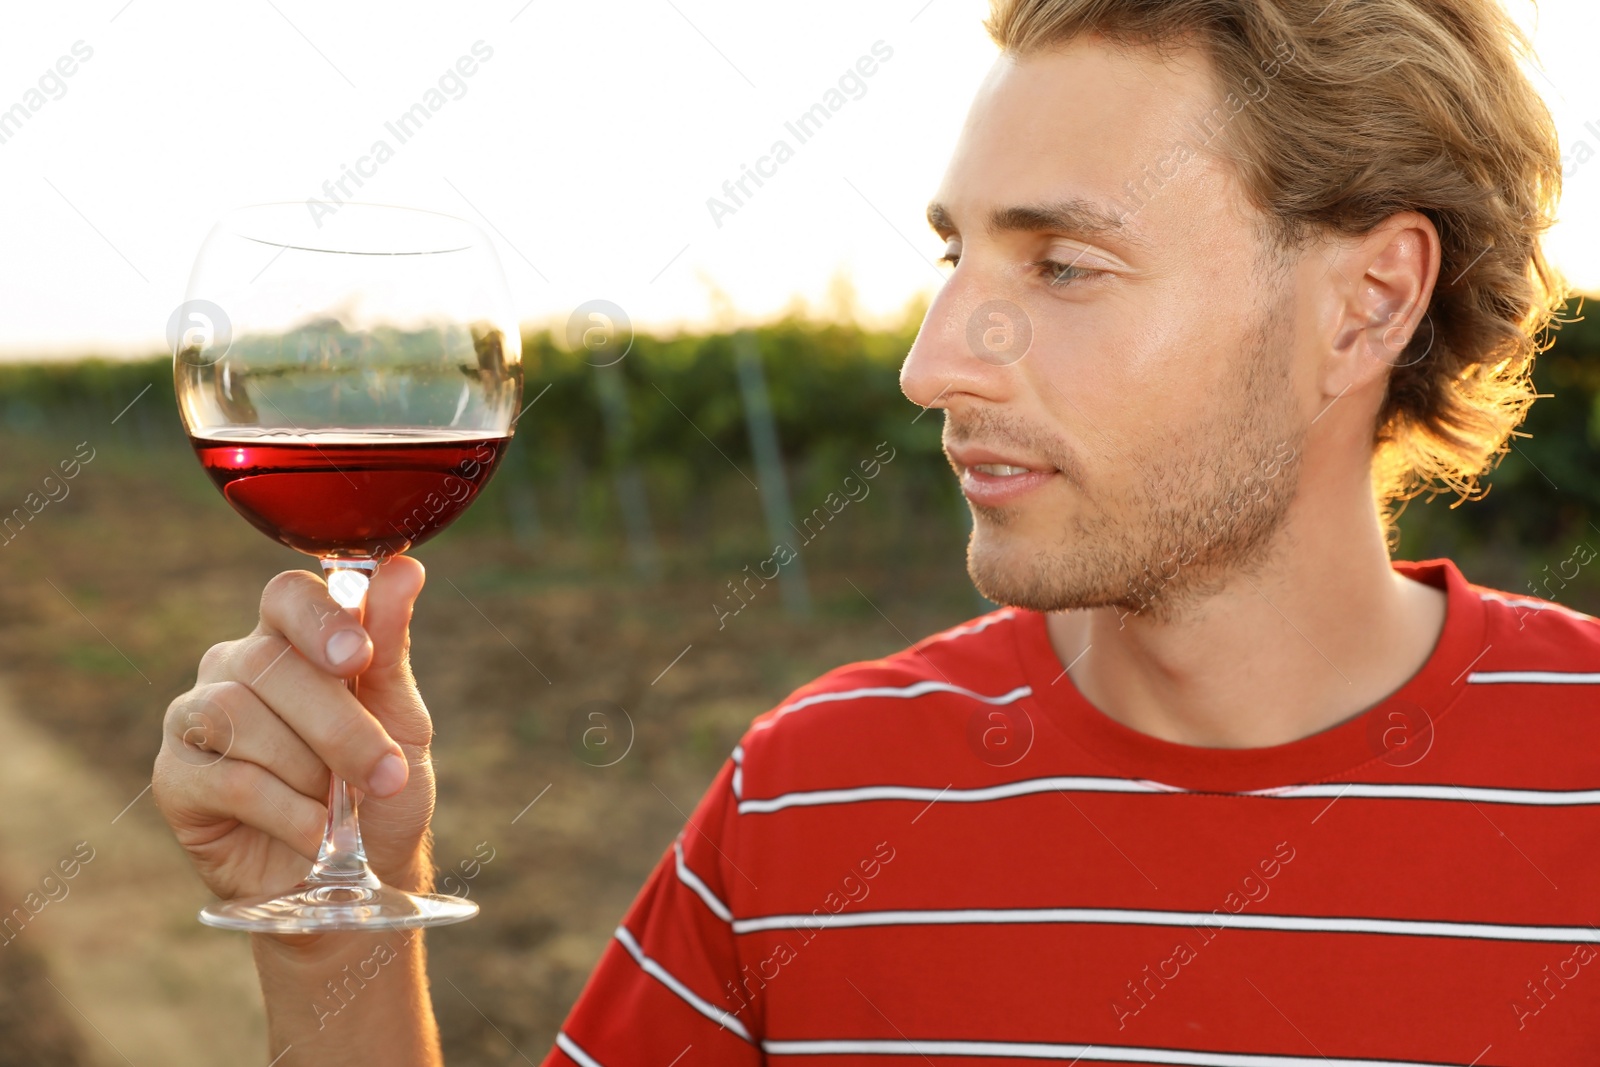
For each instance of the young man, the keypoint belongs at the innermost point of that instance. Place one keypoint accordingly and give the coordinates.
(1221, 784)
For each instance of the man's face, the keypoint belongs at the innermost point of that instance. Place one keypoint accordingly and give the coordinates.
(1157, 411)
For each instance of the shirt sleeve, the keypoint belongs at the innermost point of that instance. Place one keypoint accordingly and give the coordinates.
(668, 980)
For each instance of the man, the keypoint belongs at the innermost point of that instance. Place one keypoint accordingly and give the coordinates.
(1220, 784)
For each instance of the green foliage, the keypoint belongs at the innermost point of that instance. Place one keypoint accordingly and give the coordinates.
(834, 395)
(1548, 483)
(831, 386)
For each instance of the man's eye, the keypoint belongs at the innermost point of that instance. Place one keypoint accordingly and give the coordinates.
(952, 253)
(1063, 273)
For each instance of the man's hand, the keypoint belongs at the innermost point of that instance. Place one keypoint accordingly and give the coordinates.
(242, 776)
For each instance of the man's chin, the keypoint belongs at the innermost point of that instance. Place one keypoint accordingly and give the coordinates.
(997, 517)
(1017, 575)
(1013, 594)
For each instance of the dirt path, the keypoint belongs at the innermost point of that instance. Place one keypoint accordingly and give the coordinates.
(144, 982)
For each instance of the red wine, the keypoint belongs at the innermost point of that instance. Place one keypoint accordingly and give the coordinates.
(350, 493)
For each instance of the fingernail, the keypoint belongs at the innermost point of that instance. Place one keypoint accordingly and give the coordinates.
(388, 777)
(344, 645)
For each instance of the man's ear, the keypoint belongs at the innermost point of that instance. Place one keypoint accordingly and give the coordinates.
(1378, 297)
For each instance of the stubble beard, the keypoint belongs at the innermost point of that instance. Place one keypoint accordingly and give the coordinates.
(1196, 510)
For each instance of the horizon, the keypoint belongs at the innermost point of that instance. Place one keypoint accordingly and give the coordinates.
(705, 166)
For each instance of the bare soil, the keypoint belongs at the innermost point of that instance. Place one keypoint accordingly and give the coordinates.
(109, 597)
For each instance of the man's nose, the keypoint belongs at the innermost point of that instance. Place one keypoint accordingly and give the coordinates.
(970, 339)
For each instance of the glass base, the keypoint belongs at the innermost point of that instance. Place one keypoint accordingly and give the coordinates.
(311, 909)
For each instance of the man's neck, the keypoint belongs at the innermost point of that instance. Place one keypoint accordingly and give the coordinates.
(1317, 635)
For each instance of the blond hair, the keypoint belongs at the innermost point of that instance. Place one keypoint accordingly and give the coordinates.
(1383, 106)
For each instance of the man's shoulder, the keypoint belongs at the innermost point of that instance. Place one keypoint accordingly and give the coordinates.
(1529, 633)
(1502, 632)
(870, 702)
(1525, 691)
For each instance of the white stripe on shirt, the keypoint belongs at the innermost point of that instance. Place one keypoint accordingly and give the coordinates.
(1216, 920)
(1031, 786)
(1537, 605)
(1426, 791)
(688, 996)
(1034, 1050)
(570, 1047)
(973, 627)
(904, 692)
(692, 880)
(1537, 677)
(814, 797)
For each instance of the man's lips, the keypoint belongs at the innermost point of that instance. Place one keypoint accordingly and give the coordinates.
(992, 478)
(1003, 463)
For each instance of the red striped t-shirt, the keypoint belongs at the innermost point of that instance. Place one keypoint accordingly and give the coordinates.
(949, 857)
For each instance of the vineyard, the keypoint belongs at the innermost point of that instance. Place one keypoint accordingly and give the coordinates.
(610, 560)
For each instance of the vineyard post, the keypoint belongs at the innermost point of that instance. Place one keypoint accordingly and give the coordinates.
(769, 469)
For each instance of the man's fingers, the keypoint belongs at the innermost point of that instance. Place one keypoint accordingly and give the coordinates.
(390, 598)
(296, 660)
(318, 708)
(236, 789)
(296, 605)
(228, 720)
(387, 686)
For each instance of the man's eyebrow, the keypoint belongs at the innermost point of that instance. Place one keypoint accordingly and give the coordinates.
(1073, 215)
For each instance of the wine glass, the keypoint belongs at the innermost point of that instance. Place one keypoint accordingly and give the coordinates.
(349, 377)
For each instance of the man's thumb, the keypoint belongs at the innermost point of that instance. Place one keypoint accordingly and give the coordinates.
(393, 591)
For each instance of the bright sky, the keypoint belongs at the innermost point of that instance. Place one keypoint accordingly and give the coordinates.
(587, 139)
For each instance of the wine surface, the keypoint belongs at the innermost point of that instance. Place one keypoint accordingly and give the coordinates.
(348, 494)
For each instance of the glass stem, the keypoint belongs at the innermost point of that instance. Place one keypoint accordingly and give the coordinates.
(342, 860)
